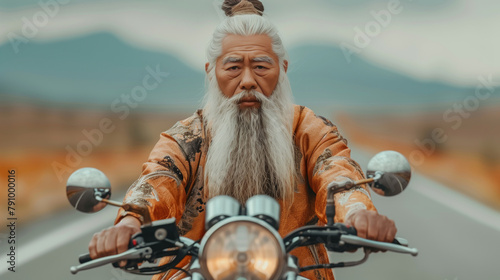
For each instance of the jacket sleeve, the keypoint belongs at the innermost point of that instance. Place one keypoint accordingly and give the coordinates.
(166, 176)
(327, 159)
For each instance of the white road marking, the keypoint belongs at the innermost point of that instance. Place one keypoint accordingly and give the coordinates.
(458, 202)
(64, 235)
(95, 222)
(443, 195)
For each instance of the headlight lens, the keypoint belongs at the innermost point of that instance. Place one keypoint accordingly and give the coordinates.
(242, 249)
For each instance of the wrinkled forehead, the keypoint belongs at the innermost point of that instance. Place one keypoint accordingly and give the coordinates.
(232, 58)
(258, 47)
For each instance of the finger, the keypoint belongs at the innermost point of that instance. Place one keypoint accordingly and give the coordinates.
(122, 241)
(110, 244)
(391, 233)
(384, 226)
(372, 230)
(92, 246)
(360, 223)
(100, 246)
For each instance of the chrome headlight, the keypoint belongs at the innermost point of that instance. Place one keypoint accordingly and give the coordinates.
(242, 248)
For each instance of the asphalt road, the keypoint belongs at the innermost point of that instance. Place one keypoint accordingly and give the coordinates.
(457, 238)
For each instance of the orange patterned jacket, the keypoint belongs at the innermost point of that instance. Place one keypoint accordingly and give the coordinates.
(172, 182)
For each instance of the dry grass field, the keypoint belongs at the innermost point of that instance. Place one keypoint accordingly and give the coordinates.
(34, 139)
(466, 159)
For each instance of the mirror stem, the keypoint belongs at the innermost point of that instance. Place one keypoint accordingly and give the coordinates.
(110, 202)
(143, 211)
(333, 189)
(364, 181)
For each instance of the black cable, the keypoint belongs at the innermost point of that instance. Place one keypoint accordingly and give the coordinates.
(183, 270)
(295, 244)
(321, 266)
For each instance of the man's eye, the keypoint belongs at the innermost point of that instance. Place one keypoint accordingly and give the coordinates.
(233, 68)
(260, 67)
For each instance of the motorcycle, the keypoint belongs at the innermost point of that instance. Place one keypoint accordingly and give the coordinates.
(241, 241)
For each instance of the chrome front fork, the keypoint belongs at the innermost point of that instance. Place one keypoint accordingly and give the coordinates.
(291, 273)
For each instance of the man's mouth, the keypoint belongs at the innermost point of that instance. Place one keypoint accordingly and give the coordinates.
(249, 102)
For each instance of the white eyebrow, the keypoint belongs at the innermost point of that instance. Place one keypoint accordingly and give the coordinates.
(263, 59)
(231, 59)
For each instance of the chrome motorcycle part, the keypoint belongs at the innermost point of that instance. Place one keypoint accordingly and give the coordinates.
(242, 247)
(265, 208)
(86, 188)
(394, 171)
(130, 254)
(220, 208)
(355, 240)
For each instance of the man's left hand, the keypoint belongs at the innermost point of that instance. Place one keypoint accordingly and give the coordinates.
(371, 225)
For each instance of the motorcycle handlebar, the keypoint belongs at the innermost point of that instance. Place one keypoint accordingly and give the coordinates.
(349, 230)
(84, 258)
(130, 254)
(342, 238)
(398, 244)
(395, 246)
(134, 240)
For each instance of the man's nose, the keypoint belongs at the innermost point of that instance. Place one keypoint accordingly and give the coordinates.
(248, 80)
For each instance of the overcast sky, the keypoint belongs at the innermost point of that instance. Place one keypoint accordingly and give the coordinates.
(450, 41)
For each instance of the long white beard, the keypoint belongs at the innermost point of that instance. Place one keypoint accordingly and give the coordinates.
(252, 150)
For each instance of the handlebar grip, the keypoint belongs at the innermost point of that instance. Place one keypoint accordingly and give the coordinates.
(351, 230)
(332, 242)
(400, 241)
(134, 240)
(84, 258)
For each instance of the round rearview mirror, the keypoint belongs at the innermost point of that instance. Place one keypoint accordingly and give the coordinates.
(85, 188)
(392, 173)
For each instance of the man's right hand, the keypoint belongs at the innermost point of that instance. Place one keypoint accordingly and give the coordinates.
(114, 240)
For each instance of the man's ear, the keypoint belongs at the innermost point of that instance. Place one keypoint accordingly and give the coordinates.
(285, 65)
(206, 67)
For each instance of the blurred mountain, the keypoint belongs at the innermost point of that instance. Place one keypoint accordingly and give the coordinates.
(324, 74)
(95, 69)
(100, 68)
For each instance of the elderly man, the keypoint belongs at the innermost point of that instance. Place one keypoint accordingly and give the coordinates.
(249, 139)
